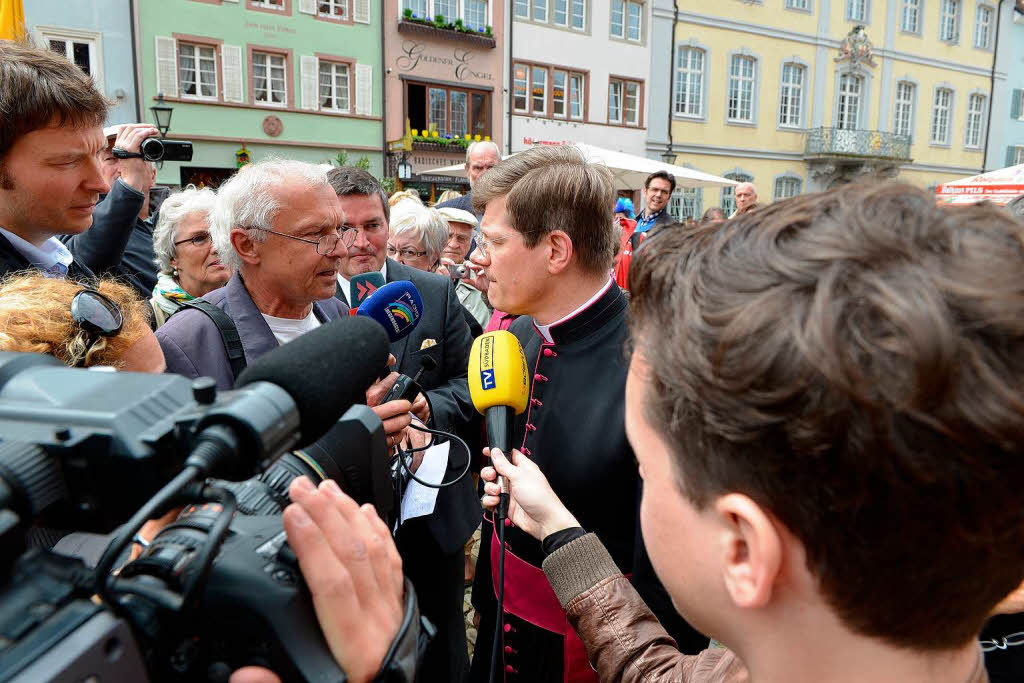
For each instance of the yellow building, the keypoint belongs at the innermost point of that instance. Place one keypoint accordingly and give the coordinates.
(799, 95)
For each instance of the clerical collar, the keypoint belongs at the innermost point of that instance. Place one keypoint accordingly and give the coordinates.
(343, 282)
(570, 327)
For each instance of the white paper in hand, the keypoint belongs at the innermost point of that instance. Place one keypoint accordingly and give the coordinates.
(419, 500)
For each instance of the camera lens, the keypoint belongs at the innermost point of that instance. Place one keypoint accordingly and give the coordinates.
(152, 149)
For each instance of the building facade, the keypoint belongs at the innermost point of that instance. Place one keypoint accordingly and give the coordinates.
(1006, 141)
(259, 78)
(801, 95)
(443, 84)
(580, 73)
(97, 36)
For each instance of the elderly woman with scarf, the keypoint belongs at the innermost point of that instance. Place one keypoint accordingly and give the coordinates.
(188, 262)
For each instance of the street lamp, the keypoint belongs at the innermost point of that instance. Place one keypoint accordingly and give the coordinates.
(404, 168)
(162, 114)
(668, 156)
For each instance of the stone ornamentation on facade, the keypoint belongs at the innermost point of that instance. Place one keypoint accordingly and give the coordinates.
(856, 48)
(272, 126)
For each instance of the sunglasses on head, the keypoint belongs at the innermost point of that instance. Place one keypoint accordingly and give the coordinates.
(97, 315)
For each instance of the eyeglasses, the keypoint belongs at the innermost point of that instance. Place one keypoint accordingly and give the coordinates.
(405, 253)
(97, 315)
(484, 245)
(326, 245)
(199, 240)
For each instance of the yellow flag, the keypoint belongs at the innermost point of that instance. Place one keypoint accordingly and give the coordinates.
(12, 20)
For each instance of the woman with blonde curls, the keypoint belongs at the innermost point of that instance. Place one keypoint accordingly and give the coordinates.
(107, 324)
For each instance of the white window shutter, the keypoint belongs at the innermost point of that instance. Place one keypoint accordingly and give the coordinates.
(361, 11)
(307, 6)
(310, 67)
(231, 66)
(364, 89)
(167, 66)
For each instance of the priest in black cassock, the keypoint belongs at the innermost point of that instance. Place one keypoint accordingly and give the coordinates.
(547, 246)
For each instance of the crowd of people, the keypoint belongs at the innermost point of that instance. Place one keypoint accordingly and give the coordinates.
(782, 445)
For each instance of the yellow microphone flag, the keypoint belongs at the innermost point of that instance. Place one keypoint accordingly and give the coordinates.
(497, 372)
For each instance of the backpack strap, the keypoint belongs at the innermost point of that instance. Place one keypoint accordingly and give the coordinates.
(228, 332)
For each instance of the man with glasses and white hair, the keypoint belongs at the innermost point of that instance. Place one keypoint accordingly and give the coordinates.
(280, 227)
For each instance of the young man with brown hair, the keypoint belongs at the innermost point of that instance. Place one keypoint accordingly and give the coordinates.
(825, 400)
(51, 144)
(546, 249)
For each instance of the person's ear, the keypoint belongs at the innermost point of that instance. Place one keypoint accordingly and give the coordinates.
(244, 246)
(752, 553)
(560, 250)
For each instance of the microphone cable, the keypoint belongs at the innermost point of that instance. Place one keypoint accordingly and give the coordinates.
(435, 432)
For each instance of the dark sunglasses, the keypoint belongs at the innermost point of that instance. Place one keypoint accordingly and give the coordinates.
(97, 315)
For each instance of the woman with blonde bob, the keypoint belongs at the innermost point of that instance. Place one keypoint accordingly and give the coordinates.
(82, 326)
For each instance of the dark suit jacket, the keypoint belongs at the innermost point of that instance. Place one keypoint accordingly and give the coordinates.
(465, 202)
(12, 261)
(118, 244)
(458, 510)
(192, 343)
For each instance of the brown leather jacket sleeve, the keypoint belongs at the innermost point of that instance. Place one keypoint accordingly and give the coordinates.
(623, 638)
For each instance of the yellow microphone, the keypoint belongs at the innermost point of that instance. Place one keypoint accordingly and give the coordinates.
(499, 387)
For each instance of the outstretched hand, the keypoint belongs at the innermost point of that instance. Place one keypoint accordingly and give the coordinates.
(353, 571)
(533, 505)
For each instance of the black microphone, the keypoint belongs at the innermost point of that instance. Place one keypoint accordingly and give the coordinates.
(407, 388)
(325, 371)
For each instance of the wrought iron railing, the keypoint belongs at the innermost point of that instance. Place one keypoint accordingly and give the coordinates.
(857, 143)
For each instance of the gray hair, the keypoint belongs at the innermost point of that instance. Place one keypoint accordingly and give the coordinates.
(247, 201)
(424, 224)
(349, 180)
(1016, 207)
(173, 211)
(483, 143)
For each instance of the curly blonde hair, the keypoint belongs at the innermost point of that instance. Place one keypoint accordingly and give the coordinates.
(35, 316)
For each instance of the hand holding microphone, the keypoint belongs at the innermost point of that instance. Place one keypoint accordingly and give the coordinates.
(533, 506)
(397, 307)
(499, 389)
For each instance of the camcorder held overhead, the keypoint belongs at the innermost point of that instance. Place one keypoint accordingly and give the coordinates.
(219, 588)
(156, 149)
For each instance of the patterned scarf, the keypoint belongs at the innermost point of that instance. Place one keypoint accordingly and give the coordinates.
(168, 292)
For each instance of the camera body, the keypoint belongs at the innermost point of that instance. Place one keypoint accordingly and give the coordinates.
(255, 608)
(155, 149)
(460, 272)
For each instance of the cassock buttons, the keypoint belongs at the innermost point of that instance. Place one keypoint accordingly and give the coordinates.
(525, 451)
(539, 378)
(536, 402)
(550, 353)
(510, 669)
(530, 427)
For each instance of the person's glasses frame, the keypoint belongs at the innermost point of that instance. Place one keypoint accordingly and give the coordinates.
(198, 240)
(406, 252)
(97, 315)
(482, 244)
(326, 245)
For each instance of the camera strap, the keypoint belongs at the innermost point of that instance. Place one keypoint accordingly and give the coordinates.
(122, 153)
(228, 332)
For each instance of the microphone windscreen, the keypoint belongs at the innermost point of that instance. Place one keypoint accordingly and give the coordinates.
(325, 371)
(362, 286)
(397, 306)
(497, 372)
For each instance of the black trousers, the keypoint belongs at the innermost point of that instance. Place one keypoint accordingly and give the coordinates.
(439, 582)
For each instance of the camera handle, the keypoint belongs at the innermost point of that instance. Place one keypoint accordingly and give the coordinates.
(122, 153)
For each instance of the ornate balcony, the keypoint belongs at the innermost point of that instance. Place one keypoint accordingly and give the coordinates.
(837, 144)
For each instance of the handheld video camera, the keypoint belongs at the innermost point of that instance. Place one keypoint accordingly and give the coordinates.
(217, 589)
